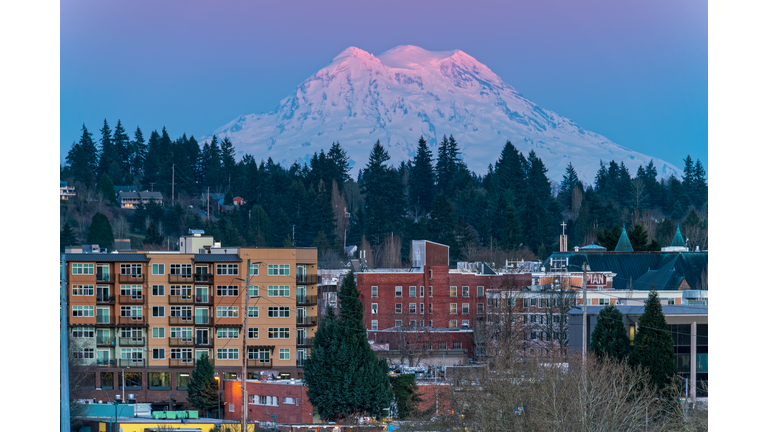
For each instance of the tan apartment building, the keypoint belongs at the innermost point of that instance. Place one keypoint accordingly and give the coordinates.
(151, 315)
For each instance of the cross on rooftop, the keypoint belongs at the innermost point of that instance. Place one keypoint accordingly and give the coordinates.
(563, 225)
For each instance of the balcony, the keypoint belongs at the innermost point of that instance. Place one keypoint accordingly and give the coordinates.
(205, 278)
(204, 342)
(105, 342)
(306, 320)
(180, 278)
(102, 321)
(132, 341)
(306, 279)
(181, 299)
(306, 300)
(105, 362)
(204, 320)
(131, 278)
(181, 363)
(132, 299)
(102, 299)
(180, 320)
(300, 362)
(140, 362)
(132, 320)
(259, 364)
(181, 342)
(304, 341)
(104, 278)
(204, 300)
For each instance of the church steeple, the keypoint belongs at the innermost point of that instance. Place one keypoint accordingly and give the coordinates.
(678, 244)
(624, 244)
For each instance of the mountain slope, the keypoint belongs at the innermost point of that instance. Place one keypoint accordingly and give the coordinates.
(408, 92)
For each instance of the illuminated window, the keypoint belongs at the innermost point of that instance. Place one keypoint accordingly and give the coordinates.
(453, 308)
(453, 291)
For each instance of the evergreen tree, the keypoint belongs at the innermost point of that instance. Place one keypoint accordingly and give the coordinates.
(123, 149)
(441, 222)
(689, 179)
(138, 154)
(154, 235)
(406, 394)
(384, 202)
(570, 180)
(421, 184)
(512, 236)
(339, 164)
(107, 189)
(534, 221)
(653, 344)
(151, 169)
(510, 172)
(227, 156)
(699, 194)
(609, 338)
(344, 378)
(100, 231)
(67, 236)
(202, 390)
(109, 160)
(83, 159)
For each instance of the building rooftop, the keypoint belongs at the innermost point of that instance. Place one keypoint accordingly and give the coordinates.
(638, 310)
(110, 257)
(217, 258)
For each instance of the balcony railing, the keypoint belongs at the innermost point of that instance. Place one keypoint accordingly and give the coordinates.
(204, 300)
(131, 362)
(204, 342)
(304, 341)
(180, 278)
(300, 362)
(180, 320)
(203, 320)
(306, 300)
(181, 363)
(132, 341)
(101, 278)
(306, 279)
(103, 321)
(259, 364)
(105, 341)
(203, 278)
(131, 278)
(181, 342)
(132, 299)
(310, 320)
(101, 299)
(132, 320)
(105, 362)
(181, 299)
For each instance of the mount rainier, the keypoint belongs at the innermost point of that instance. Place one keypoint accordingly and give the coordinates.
(409, 92)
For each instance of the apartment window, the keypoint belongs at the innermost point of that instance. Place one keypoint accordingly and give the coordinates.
(398, 291)
(556, 319)
(430, 307)
(278, 332)
(430, 274)
(533, 302)
(227, 354)
(453, 308)
(457, 345)
(253, 311)
(131, 290)
(158, 290)
(82, 332)
(261, 354)
(465, 291)
(556, 303)
(227, 269)
(285, 354)
(421, 308)
(254, 269)
(480, 291)
(374, 324)
(279, 312)
(131, 270)
(398, 323)
(412, 308)
(412, 323)
(82, 311)
(533, 335)
(185, 312)
(604, 301)
(227, 290)
(374, 308)
(227, 333)
(184, 270)
(158, 311)
(226, 311)
(453, 291)
(289, 401)
(464, 308)
(398, 308)
(253, 332)
(183, 333)
(253, 290)
(102, 315)
(83, 353)
(158, 269)
(525, 302)
(182, 381)
(670, 301)
(374, 291)
(82, 290)
(82, 269)
(279, 290)
(278, 269)
(510, 302)
(158, 353)
(480, 308)
(430, 291)
(451, 324)
(412, 291)
(158, 332)
(430, 323)
(464, 323)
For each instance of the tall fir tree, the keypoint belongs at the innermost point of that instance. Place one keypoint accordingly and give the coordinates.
(123, 149)
(441, 221)
(339, 164)
(107, 188)
(138, 153)
(609, 338)
(83, 159)
(109, 158)
(100, 231)
(384, 199)
(421, 182)
(67, 236)
(202, 389)
(653, 345)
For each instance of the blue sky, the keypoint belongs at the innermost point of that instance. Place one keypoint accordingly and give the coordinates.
(635, 72)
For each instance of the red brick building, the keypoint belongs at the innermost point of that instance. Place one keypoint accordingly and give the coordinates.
(286, 398)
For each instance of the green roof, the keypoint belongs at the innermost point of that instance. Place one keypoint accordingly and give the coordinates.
(678, 240)
(624, 244)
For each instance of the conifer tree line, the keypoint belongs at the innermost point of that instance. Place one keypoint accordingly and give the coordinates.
(512, 207)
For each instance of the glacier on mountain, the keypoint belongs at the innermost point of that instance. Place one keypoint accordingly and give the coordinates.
(409, 92)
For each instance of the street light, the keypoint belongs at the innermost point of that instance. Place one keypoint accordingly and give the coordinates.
(114, 403)
(218, 394)
(244, 405)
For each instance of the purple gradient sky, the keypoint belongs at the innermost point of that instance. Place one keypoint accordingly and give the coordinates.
(635, 72)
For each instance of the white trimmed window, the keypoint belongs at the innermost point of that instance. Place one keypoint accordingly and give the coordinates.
(464, 308)
(421, 308)
(131, 269)
(181, 291)
(398, 323)
(398, 291)
(278, 269)
(227, 290)
(82, 269)
(183, 333)
(457, 345)
(465, 291)
(253, 290)
(184, 312)
(411, 308)
(253, 311)
(279, 290)
(227, 269)
(453, 291)
(226, 311)
(253, 332)
(412, 291)
(374, 291)
(398, 308)
(82, 311)
(480, 308)
(158, 353)
(279, 333)
(374, 324)
(227, 354)
(430, 307)
(82, 332)
(82, 290)
(158, 332)
(480, 291)
(158, 311)
(158, 290)
(279, 312)
(181, 269)
(158, 269)
(130, 290)
(452, 324)
(254, 269)
(83, 353)
(374, 308)
(453, 308)
(285, 353)
(430, 291)
(227, 333)
(464, 322)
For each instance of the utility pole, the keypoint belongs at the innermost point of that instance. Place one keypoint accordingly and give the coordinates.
(64, 353)
(173, 183)
(293, 235)
(245, 348)
(584, 318)
(208, 210)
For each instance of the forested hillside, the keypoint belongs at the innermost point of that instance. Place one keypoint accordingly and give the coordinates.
(512, 211)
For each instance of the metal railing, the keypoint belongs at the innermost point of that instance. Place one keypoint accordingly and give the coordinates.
(181, 299)
(181, 342)
(203, 278)
(133, 299)
(101, 277)
(182, 278)
(203, 300)
(105, 341)
(132, 320)
(306, 279)
(306, 300)
(259, 364)
(203, 320)
(105, 362)
(307, 320)
(132, 341)
(131, 278)
(304, 341)
(131, 362)
(204, 342)
(181, 320)
(102, 299)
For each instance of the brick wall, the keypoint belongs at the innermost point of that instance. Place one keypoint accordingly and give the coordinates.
(300, 411)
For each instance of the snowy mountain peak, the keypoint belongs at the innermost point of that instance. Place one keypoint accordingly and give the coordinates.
(408, 92)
